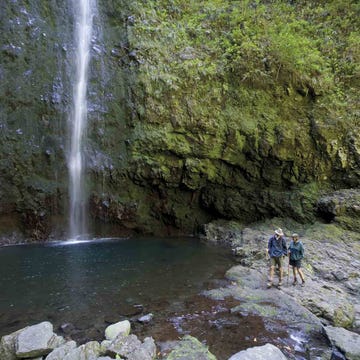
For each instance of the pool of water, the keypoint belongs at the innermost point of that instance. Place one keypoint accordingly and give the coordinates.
(87, 284)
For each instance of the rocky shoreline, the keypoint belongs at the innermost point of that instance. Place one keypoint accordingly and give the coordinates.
(330, 298)
(39, 342)
(327, 307)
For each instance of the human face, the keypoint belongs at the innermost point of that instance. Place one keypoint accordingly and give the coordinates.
(295, 239)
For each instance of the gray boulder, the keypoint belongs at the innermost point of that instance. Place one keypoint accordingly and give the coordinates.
(146, 318)
(7, 346)
(88, 351)
(146, 351)
(190, 348)
(123, 345)
(121, 327)
(346, 341)
(131, 348)
(60, 352)
(266, 352)
(37, 340)
(223, 233)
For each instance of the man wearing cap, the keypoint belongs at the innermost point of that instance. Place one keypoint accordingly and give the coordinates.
(276, 250)
(296, 253)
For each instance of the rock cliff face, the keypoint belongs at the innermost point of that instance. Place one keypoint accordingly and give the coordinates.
(196, 112)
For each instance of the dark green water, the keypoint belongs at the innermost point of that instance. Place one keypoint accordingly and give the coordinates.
(88, 284)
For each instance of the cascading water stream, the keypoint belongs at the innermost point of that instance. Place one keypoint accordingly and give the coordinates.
(84, 12)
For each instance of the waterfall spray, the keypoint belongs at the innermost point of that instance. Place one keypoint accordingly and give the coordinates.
(83, 18)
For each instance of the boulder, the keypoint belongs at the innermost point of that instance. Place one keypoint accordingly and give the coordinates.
(189, 348)
(223, 233)
(88, 351)
(131, 348)
(7, 346)
(60, 352)
(121, 327)
(124, 345)
(341, 207)
(37, 340)
(346, 341)
(266, 352)
(146, 318)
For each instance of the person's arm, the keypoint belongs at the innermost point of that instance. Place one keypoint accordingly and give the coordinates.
(302, 250)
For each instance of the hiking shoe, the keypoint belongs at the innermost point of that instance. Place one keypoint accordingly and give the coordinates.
(269, 284)
(303, 284)
(280, 283)
(295, 282)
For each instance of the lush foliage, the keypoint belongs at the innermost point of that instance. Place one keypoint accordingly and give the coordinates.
(312, 46)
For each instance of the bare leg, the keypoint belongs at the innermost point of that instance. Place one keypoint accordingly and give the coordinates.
(280, 275)
(301, 274)
(271, 276)
(294, 273)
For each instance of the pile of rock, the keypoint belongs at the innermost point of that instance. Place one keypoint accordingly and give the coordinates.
(39, 342)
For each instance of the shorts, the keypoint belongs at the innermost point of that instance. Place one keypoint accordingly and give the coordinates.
(295, 263)
(276, 261)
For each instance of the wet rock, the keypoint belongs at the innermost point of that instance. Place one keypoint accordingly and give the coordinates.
(60, 352)
(342, 207)
(105, 345)
(346, 341)
(67, 328)
(330, 305)
(337, 355)
(266, 352)
(223, 233)
(120, 328)
(190, 348)
(146, 318)
(245, 276)
(88, 351)
(37, 340)
(248, 245)
(7, 346)
(131, 348)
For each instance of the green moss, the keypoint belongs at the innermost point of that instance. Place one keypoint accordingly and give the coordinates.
(344, 316)
(258, 309)
(190, 348)
(325, 232)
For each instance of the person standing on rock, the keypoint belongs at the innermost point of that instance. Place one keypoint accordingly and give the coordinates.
(276, 250)
(296, 254)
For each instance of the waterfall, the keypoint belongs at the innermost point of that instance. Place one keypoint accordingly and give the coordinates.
(84, 13)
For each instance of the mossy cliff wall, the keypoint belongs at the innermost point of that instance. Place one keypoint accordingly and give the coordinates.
(199, 110)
